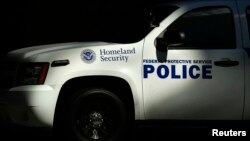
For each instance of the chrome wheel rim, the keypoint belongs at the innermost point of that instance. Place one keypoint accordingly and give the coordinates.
(95, 123)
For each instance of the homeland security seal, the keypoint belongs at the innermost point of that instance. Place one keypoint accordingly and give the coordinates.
(88, 56)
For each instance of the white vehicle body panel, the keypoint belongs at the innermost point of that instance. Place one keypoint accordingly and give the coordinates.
(129, 70)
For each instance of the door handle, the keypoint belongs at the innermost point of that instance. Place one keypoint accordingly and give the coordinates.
(226, 62)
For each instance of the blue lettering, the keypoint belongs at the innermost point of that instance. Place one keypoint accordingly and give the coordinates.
(165, 70)
(174, 76)
(184, 67)
(191, 72)
(206, 72)
(148, 69)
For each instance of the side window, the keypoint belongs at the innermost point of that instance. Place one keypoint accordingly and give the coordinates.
(204, 28)
(248, 19)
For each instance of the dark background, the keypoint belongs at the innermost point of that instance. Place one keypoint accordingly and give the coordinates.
(36, 22)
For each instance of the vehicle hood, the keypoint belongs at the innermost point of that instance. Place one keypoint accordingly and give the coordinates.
(35, 50)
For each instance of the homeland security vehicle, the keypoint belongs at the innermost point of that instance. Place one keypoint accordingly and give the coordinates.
(194, 64)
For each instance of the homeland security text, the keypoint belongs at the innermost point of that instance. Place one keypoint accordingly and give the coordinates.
(121, 55)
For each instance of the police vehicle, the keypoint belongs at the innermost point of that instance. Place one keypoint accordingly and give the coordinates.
(194, 64)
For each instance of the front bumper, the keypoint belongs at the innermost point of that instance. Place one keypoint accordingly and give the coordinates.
(32, 105)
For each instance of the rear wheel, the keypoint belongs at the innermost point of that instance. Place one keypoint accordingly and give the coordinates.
(95, 114)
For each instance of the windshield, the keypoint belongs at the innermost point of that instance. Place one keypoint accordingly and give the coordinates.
(128, 24)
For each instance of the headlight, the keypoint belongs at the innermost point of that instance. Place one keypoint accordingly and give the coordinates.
(32, 73)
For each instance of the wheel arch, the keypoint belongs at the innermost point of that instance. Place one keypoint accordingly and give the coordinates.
(118, 86)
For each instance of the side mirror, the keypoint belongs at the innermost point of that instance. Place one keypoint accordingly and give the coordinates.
(161, 44)
(171, 38)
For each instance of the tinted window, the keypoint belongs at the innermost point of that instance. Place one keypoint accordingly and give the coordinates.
(206, 28)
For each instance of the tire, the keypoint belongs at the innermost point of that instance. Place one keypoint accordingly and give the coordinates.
(95, 114)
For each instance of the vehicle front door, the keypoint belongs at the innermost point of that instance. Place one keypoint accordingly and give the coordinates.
(194, 69)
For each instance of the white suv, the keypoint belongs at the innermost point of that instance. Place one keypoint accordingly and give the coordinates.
(194, 64)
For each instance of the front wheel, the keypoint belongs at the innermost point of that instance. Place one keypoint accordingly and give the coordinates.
(96, 114)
